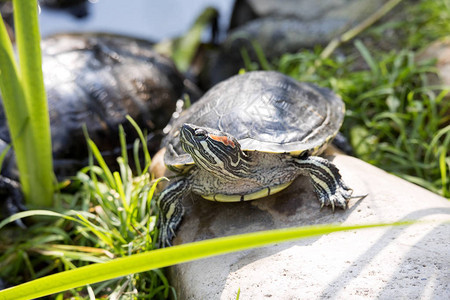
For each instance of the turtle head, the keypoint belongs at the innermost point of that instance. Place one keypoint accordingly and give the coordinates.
(213, 150)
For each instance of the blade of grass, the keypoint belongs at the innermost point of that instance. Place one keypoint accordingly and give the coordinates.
(3, 155)
(15, 105)
(70, 255)
(123, 144)
(168, 256)
(39, 155)
(137, 163)
(187, 46)
(265, 65)
(119, 187)
(443, 169)
(248, 63)
(147, 157)
(91, 250)
(98, 156)
(365, 53)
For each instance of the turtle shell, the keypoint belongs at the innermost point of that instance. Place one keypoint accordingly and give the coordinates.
(265, 111)
(96, 80)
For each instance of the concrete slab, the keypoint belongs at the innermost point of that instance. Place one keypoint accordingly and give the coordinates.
(411, 262)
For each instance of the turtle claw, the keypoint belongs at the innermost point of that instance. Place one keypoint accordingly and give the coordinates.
(166, 234)
(339, 198)
(327, 181)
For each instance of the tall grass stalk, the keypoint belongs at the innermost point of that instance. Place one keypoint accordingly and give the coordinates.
(25, 104)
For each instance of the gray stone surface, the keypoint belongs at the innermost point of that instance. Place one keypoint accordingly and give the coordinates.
(315, 10)
(411, 262)
(292, 25)
(439, 51)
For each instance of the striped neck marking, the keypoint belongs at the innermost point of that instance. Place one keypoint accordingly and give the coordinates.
(214, 151)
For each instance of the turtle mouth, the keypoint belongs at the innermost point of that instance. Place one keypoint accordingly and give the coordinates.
(187, 131)
(196, 133)
(187, 127)
(188, 137)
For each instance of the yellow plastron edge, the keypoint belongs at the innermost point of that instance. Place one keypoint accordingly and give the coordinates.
(252, 196)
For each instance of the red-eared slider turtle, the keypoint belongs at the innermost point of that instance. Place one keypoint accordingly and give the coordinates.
(249, 137)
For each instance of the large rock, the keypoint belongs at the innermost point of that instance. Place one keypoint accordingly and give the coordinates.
(392, 262)
(295, 24)
(284, 27)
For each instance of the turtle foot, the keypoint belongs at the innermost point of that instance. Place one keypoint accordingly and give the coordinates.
(171, 210)
(327, 181)
(167, 227)
(166, 234)
(339, 198)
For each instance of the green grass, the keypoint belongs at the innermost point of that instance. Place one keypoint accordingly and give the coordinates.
(396, 118)
(110, 216)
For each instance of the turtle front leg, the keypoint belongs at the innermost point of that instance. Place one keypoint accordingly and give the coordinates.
(327, 181)
(171, 210)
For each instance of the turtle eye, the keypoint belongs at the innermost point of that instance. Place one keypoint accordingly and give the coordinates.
(200, 134)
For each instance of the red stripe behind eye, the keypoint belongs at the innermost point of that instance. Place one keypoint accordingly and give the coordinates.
(223, 139)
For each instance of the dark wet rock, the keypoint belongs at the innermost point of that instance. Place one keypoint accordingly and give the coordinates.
(60, 3)
(77, 8)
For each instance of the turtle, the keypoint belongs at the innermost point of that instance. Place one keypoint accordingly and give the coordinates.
(249, 137)
(96, 80)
